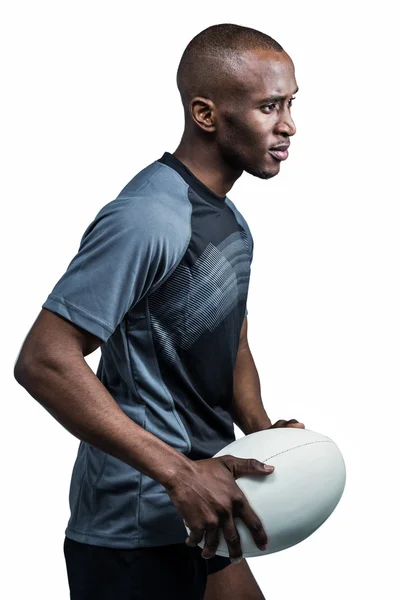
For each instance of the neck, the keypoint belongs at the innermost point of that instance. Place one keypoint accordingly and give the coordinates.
(206, 163)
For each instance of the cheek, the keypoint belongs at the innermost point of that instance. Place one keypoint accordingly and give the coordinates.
(249, 130)
(263, 124)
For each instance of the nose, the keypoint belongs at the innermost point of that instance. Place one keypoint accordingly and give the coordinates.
(285, 123)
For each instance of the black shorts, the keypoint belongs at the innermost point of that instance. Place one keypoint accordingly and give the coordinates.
(176, 572)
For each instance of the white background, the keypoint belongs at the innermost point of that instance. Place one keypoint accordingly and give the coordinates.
(89, 99)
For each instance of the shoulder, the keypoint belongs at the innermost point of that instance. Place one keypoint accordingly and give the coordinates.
(156, 187)
(153, 204)
(239, 218)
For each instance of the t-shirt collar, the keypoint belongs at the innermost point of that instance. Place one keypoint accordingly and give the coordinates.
(205, 192)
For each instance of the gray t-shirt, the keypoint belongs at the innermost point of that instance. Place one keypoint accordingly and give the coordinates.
(161, 276)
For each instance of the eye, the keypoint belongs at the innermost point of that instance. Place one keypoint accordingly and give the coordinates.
(274, 104)
(268, 105)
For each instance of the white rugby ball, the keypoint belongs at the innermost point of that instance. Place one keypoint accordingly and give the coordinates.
(300, 494)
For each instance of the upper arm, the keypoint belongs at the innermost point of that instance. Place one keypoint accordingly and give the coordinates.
(53, 336)
(243, 332)
(126, 252)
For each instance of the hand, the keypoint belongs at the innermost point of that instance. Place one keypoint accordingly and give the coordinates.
(208, 499)
(290, 423)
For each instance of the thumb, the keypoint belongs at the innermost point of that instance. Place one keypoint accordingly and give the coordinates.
(252, 466)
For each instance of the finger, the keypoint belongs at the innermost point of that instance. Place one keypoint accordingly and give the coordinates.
(294, 423)
(289, 423)
(280, 423)
(211, 541)
(196, 535)
(232, 539)
(251, 520)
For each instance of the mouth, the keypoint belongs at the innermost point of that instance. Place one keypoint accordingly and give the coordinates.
(279, 154)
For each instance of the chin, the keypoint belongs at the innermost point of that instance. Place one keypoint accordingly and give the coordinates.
(261, 172)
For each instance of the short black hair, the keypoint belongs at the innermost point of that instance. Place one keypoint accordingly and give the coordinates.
(211, 57)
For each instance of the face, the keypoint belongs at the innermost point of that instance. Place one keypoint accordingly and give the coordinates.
(255, 114)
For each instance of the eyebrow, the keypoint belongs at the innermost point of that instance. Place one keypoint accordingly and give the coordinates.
(277, 98)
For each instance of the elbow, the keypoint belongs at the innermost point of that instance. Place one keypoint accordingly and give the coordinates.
(19, 373)
(22, 370)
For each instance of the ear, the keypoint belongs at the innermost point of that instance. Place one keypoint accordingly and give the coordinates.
(202, 111)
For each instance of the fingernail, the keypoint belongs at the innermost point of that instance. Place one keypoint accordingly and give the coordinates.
(236, 560)
(263, 547)
(268, 468)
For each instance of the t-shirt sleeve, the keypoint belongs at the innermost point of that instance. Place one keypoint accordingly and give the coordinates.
(251, 245)
(128, 250)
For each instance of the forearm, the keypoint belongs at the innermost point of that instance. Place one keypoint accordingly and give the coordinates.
(248, 412)
(77, 399)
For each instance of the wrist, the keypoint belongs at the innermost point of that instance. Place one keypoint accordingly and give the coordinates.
(177, 470)
(257, 424)
(250, 422)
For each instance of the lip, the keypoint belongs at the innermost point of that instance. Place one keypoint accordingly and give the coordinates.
(279, 154)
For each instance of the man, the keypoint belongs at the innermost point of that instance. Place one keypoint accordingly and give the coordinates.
(160, 283)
